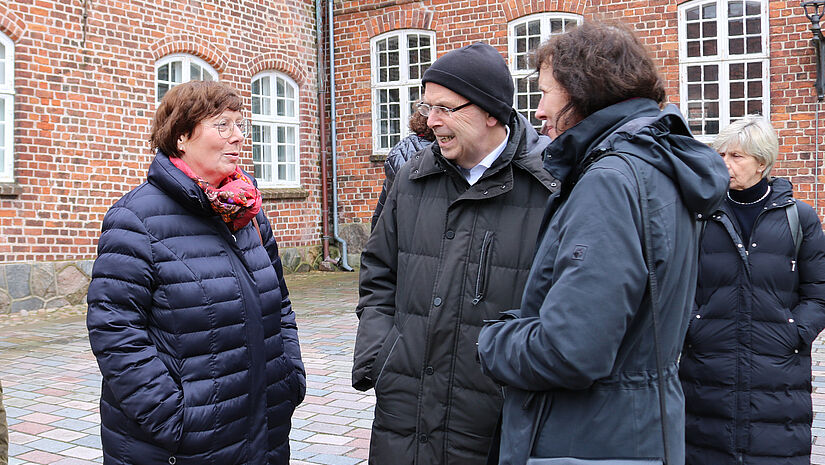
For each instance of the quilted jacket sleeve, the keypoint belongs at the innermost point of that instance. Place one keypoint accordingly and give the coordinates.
(289, 328)
(377, 286)
(119, 297)
(810, 312)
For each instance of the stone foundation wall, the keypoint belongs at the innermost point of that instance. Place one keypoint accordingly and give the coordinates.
(30, 287)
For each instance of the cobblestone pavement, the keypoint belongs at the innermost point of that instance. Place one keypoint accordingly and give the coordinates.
(52, 383)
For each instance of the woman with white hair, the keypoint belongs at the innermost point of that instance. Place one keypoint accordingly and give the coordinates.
(760, 303)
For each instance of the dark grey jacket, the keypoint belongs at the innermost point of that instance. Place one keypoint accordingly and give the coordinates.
(746, 366)
(443, 257)
(579, 360)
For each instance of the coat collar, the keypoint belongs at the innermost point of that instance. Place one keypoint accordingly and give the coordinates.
(573, 145)
(175, 183)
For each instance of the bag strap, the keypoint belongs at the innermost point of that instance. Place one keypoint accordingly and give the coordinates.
(792, 212)
(258, 228)
(653, 285)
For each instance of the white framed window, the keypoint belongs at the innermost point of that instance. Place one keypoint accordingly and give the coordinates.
(723, 63)
(399, 59)
(179, 68)
(524, 37)
(6, 109)
(275, 123)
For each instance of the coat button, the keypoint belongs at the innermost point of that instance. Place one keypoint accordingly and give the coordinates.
(415, 171)
(422, 438)
(449, 234)
(485, 192)
(437, 301)
(790, 320)
(172, 460)
(739, 245)
(753, 245)
(796, 351)
(503, 186)
(698, 316)
(429, 370)
(554, 184)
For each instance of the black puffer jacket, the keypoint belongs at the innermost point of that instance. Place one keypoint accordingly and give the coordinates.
(746, 365)
(399, 155)
(444, 256)
(193, 331)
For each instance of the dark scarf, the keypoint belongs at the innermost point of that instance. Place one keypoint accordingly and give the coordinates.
(235, 199)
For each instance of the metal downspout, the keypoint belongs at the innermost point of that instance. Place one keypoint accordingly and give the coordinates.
(343, 263)
(319, 30)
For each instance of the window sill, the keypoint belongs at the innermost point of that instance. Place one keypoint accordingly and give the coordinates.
(378, 157)
(283, 193)
(10, 189)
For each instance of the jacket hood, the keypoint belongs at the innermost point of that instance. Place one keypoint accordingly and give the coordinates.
(638, 128)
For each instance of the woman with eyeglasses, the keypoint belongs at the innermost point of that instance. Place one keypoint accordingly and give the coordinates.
(189, 316)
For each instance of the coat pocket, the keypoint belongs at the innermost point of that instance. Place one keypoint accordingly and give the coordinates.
(384, 354)
(483, 266)
(576, 461)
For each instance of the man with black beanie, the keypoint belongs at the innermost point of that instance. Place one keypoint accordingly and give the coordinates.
(452, 248)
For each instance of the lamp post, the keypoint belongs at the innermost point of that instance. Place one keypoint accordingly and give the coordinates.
(814, 10)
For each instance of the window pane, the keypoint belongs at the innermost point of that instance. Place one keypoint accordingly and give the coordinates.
(163, 73)
(195, 72)
(162, 89)
(755, 70)
(737, 46)
(709, 11)
(709, 29)
(735, 8)
(737, 71)
(712, 91)
(692, 14)
(754, 44)
(753, 8)
(709, 48)
(693, 31)
(737, 90)
(176, 72)
(755, 107)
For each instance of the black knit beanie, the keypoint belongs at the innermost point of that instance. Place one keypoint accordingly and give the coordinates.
(478, 73)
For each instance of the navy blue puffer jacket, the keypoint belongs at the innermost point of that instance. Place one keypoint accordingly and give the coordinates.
(746, 364)
(193, 331)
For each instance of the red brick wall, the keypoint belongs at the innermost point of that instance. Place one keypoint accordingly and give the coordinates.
(459, 22)
(85, 97)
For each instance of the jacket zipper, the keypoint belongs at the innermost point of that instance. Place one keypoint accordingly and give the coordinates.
(482, 267)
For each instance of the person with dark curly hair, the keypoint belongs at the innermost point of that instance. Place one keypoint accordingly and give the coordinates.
(589, 359)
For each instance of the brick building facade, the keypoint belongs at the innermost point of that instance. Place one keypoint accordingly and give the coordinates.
(85, 77)
(761, 52)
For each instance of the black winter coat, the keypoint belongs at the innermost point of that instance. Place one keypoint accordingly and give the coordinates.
(444, 257)
(193, 331)
(579, 360)
(746, 366)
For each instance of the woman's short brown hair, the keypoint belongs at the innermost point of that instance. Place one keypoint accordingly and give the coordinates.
(418, 124)
(600, 64)
(185, 106)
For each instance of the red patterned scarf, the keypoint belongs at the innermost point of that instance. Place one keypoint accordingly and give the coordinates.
(236, 199)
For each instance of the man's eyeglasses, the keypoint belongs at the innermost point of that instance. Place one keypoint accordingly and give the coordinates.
(425, 109)
(226, 128)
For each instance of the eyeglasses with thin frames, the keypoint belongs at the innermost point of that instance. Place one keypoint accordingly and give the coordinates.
(425, 109)
(227, 127)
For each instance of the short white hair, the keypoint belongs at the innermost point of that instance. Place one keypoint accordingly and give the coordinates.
(755, 136)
